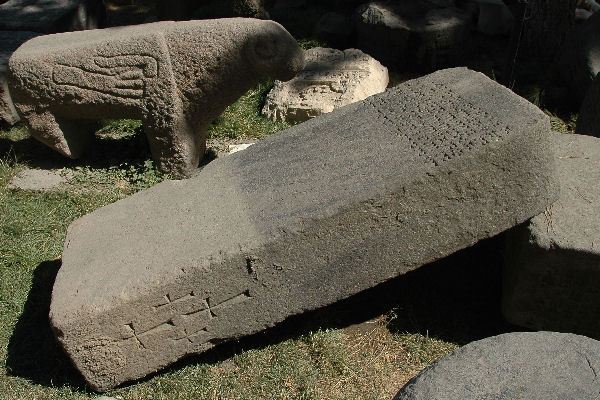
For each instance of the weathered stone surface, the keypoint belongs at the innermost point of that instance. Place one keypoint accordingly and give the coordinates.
(531, 365)
(194, 9)
(51, 16)
(9, 42)
(413, 33)
(552, 272)
(354, 197)
(579, 62)
(38, 179)
(331, 79)
(588, 121)
(174, 76)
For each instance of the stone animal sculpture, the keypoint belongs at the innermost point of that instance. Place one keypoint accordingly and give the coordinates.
(176, 77)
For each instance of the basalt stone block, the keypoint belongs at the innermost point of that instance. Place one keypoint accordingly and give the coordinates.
(9, 42)
(552, 271)
(579, 61)
(331, 79)
(588, 121)
(421, 34)
(298, 221)
(51, 16)
(174, 76)
(520, 365)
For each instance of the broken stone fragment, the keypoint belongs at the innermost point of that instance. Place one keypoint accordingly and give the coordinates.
(331, 79)
(519, 365)
(552, 271)
(174, 76)
(298, 221)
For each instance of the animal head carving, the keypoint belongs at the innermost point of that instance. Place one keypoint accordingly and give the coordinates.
(274, 53)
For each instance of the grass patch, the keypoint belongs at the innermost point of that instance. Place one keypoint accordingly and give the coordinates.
(242, 119)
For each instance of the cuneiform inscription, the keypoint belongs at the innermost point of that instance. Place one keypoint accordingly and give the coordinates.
(188, 319)
(119, 76)
(438, 125)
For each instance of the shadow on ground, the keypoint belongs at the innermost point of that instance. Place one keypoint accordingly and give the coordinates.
(104, 152)
(456, 299)
(33, 352)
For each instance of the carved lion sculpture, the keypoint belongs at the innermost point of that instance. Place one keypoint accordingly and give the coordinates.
(176, 77)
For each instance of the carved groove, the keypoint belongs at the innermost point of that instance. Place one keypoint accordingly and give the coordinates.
(433, 133)
(191, 326)
(117, 76)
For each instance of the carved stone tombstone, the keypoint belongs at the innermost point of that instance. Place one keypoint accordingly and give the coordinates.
(174, 76)
(298, 221)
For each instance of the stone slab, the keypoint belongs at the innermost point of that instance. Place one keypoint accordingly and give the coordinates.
(552, 271)
(299, 221)
(330, 79)
(9, 42)
(39, 180)
(176, 77)
(531, 365)
(51, 16)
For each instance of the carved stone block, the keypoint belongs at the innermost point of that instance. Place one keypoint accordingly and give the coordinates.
(331, 79)
(174, 76)
(9, 42)
(298, 221)
(552, 271)
(51, 16)
(579, 60)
